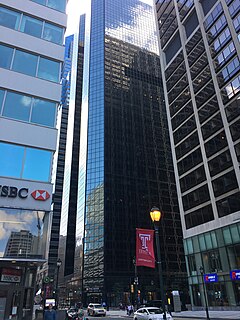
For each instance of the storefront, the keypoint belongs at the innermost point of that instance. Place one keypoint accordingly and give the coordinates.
(218, 253)
(24, 232)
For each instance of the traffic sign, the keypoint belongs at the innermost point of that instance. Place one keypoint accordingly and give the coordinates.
(235, 275)
(37, 299)
(46, 279)
(210, 277)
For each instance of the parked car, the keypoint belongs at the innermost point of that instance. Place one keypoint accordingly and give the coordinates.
(96, 309)
(150, 313)
(72, 313)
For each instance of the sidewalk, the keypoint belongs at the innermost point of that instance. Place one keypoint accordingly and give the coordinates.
(214, 315)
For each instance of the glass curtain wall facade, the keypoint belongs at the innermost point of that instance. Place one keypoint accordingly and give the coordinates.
(62, 243)
(199, 53)
(125, 155)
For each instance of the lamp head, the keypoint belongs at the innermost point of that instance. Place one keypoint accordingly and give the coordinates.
(155, 214)
(59, 262)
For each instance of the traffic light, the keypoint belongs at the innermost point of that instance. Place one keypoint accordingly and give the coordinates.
(132, 288)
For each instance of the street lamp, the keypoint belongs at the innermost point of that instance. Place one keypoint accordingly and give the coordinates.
(204, 291)
(59, 263)
(135, 282)
(155, 214)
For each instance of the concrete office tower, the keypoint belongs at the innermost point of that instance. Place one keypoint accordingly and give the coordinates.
(125, 158)
(199, 53)
(31, 51)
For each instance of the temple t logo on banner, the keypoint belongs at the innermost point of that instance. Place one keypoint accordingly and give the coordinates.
(144, 238)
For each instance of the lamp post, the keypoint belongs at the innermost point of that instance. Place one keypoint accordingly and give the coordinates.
(59, 263)
(155, 214)
(135, 282)
(204, 291)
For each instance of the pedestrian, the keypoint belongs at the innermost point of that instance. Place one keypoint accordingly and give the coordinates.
(131, 309)
(50, 313)
(170, 309)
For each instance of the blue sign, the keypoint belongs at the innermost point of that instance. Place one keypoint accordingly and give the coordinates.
(210, 277)
(235, 275)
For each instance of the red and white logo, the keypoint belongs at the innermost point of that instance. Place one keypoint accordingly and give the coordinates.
(41, 195)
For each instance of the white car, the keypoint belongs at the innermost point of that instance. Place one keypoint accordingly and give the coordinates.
(150, 313)
(96, 309)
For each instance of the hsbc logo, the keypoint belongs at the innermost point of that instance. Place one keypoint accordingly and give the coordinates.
(40, 195)
(22, 193)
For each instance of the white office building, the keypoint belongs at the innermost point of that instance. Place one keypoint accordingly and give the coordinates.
(31, 55)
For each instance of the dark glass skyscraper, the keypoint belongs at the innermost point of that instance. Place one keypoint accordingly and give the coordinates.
(125, 164)
(199, 54)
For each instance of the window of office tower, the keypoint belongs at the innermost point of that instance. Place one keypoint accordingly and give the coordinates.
(59, 5)
(207, 5)
(24, 162)
(22, 233)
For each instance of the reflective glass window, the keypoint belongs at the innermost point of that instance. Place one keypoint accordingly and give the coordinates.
(228, 205)
(216, 144)
(26, 108)
(57, 4)
(6, 54)
(202, 242)
(227, 236)
(222, 39)
(213, 16)
(11, 160)
(236, 23)
(52, 33)
(224, 183)
(1, 99)
(17, 106)
(31, 26)
(226, 53)
(43, 112)
(234, 7)
(235, 132)
(25, 63)
(233, 110)
(37, 164)
(208, 109)
(207, 5)
(217, 27)
(212, 126)
(198, 217)
(220, 163)
(230, 70)
(40, 1)
(173, 47)
(233, 88)
(23, 237)
(9, 18)
(48, 69)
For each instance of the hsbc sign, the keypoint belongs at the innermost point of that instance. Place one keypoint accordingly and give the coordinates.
(13, 192)
(25, 194)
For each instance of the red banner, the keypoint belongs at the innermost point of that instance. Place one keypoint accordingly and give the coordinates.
(144, 248)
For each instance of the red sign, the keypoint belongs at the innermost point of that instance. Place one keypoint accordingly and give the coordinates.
(41, 195)
(144, 248)
(11, 275)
